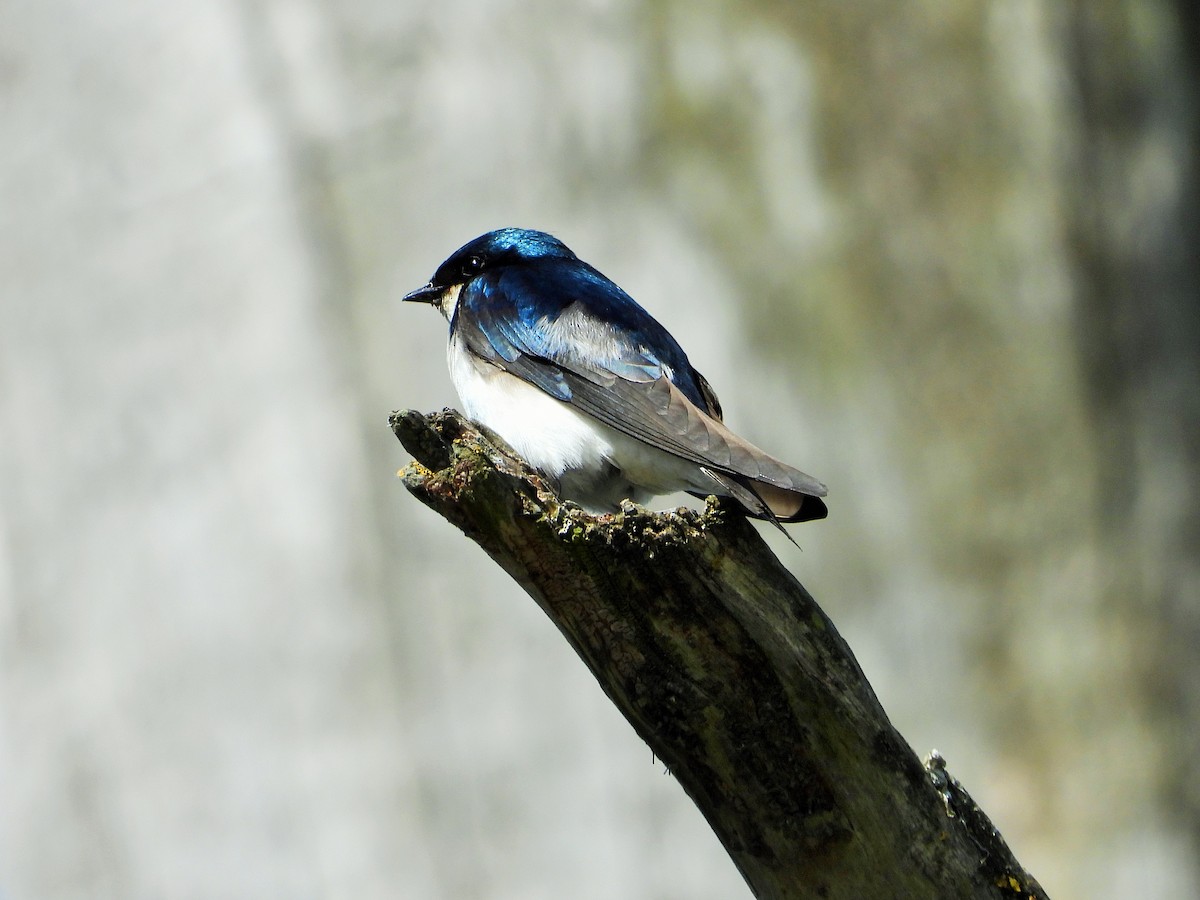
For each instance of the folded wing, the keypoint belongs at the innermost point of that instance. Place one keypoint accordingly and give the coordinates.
(594, 353)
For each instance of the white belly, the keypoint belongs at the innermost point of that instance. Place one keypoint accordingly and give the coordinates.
(594, 464)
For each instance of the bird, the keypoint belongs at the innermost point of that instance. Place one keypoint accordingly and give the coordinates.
(589, 389)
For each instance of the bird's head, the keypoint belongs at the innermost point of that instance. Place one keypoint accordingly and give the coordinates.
(504, 247)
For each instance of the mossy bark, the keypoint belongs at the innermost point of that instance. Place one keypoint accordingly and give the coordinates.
(735, 677)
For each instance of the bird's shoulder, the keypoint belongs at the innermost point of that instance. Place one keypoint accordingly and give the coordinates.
(573, 296)
(566, 313)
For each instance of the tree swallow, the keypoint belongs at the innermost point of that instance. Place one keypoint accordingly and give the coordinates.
(589, 389)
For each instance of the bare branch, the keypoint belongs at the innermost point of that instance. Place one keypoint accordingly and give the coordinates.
(733, 675)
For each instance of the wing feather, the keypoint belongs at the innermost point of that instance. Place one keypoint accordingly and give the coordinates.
(579, 350)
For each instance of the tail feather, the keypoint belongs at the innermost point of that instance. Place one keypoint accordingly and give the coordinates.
(790, 506)
(762, 500)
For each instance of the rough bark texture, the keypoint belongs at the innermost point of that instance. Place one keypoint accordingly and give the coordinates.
(733, 675)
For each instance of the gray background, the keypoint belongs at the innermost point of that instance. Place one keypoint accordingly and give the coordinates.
(940, 255)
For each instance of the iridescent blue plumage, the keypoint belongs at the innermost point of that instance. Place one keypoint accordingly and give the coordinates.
(516, 309)
(588, 387)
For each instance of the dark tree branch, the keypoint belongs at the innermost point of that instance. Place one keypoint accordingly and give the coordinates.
(733, 675)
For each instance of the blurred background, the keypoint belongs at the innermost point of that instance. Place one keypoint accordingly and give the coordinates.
(941, 255)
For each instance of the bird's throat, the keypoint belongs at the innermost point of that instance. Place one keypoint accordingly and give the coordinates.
(449, 300)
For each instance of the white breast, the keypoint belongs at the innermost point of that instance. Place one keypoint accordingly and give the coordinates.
(547, 433)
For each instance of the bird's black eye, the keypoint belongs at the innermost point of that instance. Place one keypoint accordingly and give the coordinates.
(472, 266)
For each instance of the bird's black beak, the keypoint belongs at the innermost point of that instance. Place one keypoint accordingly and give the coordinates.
(426, 294)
